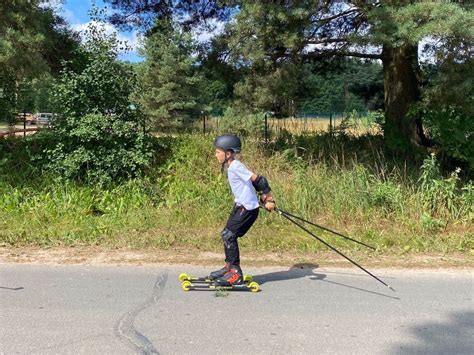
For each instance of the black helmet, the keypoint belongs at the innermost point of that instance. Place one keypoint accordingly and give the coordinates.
(228, 142)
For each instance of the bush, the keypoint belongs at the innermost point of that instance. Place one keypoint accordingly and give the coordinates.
(442, 196)
(100, 149)
(447, 109)
(99, 131)
(241, 124)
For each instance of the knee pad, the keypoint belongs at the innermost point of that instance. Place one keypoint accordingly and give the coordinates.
(228, 237)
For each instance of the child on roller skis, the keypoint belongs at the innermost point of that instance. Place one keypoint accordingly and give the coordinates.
(244, 185)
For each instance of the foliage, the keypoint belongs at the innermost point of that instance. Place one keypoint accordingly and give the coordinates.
(448, 107)
(342, 86)
(100, 131)
(168, 79)
(270, 42)
(242, 124)
(276, 90)
(33, 43)
(271, 35)
(185, 202)
(441, 196)
(219, 77)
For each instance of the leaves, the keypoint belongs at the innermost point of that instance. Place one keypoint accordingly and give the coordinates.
(168, 79)
(100, 130)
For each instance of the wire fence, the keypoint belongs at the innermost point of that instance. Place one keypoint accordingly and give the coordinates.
(305, 122)
(263, 126)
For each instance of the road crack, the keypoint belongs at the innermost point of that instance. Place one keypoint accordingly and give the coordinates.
(125, 330)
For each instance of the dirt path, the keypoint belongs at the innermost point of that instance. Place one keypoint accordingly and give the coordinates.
(102, 255)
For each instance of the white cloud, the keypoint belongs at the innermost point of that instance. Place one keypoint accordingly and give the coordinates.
(205, 36)
(131, 38)
(53, 4)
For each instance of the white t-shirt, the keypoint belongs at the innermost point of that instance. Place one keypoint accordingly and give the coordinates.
(241, 185)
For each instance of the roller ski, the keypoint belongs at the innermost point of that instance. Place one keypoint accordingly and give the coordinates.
(227, 278)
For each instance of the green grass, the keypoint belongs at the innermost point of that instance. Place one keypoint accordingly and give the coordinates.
(184, 202)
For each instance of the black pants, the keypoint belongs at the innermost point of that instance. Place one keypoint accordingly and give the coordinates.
(239, 222)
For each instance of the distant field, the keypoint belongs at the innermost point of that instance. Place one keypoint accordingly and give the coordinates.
(19, 125)
(4, 128)
(301, 125)
(304, 125)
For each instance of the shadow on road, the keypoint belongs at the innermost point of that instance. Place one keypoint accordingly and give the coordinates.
(308, 270)
(451, 337)
(361, 289)
(295, 272)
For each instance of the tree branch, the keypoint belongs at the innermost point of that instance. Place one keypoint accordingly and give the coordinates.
(330, 18)
(327, 40)
(342, 54)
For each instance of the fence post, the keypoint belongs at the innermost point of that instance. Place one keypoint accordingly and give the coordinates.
(266, 129)
(24, 123)
(203, 122)
(330, 122)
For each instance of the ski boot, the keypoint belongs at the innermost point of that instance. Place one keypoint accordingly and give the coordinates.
(219, 273)
(232, 277)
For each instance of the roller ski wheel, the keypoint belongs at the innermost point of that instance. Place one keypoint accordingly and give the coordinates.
(186, 286)
(253, 286)
(248, 278)
(184, 277)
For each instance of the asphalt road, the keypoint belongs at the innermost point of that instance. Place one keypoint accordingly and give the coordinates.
(142, 310)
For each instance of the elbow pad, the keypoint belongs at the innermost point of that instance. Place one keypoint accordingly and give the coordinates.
(261, 184)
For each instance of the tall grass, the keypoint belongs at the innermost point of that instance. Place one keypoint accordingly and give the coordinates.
(185, 201)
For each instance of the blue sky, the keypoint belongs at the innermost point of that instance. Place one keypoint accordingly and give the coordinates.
(75, 12)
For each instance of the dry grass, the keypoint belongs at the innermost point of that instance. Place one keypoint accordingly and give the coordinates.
(301, 125)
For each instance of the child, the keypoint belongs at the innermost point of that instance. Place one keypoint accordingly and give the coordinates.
(244, 185)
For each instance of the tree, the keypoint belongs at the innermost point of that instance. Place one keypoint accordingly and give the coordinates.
(329, 85)
(216, 91)
(189, 13)
(278, 90)
(385, 30)
(99, 132)
(447, 105)
(168, 78)
(33, 41)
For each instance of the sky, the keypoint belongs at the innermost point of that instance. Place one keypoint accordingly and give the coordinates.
(75, 12)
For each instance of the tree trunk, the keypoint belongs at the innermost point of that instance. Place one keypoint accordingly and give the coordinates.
(401, 89)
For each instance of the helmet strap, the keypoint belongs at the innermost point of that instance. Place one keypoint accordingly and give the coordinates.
(224, 163)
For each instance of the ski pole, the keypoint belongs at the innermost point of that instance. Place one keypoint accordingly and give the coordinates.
(324, 228)
(332, 248)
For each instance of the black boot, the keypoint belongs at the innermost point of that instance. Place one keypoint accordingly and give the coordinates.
(219, 273)
(233, 276)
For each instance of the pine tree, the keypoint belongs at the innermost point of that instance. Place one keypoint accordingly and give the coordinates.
(168, 77)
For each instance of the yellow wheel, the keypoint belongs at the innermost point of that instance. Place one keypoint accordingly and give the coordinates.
(248, 278)
(183, 277)
(186, 285)
(254, 287)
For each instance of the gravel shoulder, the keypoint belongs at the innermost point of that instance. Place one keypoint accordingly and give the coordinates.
(102, 255)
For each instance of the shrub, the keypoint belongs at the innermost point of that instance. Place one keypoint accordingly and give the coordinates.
(100, 132)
